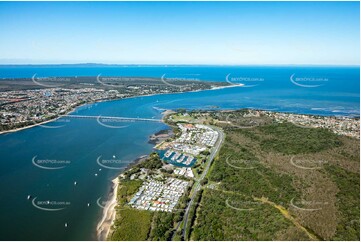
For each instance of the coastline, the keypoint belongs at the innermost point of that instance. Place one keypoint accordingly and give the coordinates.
(41, 123)
(148, 95)
(28, 127)
(104, 227)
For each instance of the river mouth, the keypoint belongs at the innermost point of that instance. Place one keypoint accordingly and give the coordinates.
(81, 142)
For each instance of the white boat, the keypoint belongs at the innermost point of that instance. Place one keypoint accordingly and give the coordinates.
(181, 159)
(168, 153)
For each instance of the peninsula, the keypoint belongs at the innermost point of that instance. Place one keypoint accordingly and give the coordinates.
(223, 171)
(27, 102)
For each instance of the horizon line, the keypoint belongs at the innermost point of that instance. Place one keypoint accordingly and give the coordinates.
(169, 64)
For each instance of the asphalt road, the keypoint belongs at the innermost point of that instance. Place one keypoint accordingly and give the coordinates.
(197, 185)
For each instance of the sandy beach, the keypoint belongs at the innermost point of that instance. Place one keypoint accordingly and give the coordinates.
(109, 213)
(104, 227)
(51, 120)
(41, 123)
(28, 127)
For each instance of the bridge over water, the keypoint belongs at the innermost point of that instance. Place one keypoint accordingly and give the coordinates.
(125, 119)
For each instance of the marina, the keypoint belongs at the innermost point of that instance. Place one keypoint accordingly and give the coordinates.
(82, 140)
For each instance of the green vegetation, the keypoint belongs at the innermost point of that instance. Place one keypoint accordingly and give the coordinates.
(133, 224)
(239, 170)
(162, 226)
(151, 163)
(242, 177)
(130, 224)
(348, 202)
(163, 223)
(248, 191)
(206, 152)
(287, 138)
(192, 213)
(126, 189)
(198, 168)
(218, 221)
(253, 181)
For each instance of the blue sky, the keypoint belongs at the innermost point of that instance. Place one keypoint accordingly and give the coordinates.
(316, 33)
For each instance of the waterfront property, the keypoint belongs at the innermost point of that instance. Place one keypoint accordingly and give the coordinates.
(159, 196)
(68, 143)
(193, 140)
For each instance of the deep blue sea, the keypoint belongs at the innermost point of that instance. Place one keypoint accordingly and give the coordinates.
(84, 143)
(322, 90)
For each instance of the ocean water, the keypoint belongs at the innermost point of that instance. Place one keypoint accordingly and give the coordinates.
(316, 90)
(80, 147)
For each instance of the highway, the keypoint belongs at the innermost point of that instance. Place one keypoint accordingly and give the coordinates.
(197, 184)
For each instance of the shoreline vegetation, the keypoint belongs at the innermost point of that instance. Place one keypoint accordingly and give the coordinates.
(41, 123)
(210, 86)
(122, 84)
(104, 227)
(90, 103)
(321, 139)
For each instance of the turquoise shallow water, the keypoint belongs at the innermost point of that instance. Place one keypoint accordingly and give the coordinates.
(335, 91)
(85, 142)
